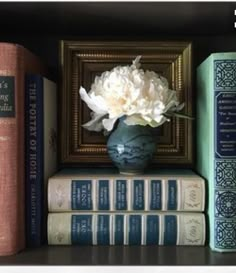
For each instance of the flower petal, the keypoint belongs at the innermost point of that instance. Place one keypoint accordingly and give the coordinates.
(136, 63)
(95, 124)
(158, 122)
(108, 123)
(135, 120)
(92, 103)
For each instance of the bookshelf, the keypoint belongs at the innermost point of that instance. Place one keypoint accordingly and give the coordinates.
(119, 255)
(40, 27)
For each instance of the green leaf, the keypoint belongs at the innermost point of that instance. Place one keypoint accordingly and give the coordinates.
(183, 116)
(178, 115)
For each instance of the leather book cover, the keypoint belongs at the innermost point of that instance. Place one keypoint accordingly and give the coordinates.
(15, 61)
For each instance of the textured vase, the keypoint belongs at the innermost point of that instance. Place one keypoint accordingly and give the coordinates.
(131, 148)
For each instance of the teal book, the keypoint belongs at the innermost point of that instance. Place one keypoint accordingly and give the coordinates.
(216, 145)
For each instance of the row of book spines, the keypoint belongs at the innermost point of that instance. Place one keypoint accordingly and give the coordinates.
(126, 195)
(126, 229)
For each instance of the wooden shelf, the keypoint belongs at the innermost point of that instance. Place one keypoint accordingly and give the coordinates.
(119, 255)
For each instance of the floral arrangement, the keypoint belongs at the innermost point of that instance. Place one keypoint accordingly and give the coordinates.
(142, 97)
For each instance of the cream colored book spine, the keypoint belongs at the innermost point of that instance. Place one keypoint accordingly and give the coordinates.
(126, 229)
(118, 193)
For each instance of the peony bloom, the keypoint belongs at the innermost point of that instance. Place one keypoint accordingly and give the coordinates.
(143, 97)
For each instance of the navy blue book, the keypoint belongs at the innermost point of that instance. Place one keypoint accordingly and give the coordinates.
(41, 152)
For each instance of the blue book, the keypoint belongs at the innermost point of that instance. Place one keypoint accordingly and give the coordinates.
(41, 152)
(216, 145)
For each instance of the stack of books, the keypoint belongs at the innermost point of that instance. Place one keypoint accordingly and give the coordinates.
(113, 209)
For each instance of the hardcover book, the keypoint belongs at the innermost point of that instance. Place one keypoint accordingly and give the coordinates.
(216, 144)
(184, 191)
(15, 61)
(126, 229)
(41, 152)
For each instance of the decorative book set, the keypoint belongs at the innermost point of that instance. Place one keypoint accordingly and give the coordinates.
(119, 210)
(91, 207)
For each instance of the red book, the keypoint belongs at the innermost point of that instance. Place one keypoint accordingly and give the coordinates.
(15, 62)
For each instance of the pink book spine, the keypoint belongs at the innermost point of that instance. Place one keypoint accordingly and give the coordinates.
(12, 237)
(15, 62)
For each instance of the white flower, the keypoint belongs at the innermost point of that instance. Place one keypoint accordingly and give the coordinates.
(143, 97)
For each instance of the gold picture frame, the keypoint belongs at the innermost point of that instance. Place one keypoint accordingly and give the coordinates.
(81, 61)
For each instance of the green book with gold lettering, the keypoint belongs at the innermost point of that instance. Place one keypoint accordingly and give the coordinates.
(216, 145)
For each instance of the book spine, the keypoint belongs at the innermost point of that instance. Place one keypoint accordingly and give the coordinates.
(12, 150)
(15, 61)
(126, 229)
(224, 154)
(49, 143)
(125, 194)
(34, 158)
(216, 145)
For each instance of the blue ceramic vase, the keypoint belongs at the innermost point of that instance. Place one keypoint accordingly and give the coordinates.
(131, 148)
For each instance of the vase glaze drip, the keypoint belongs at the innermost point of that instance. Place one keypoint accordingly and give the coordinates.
(131, 148)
